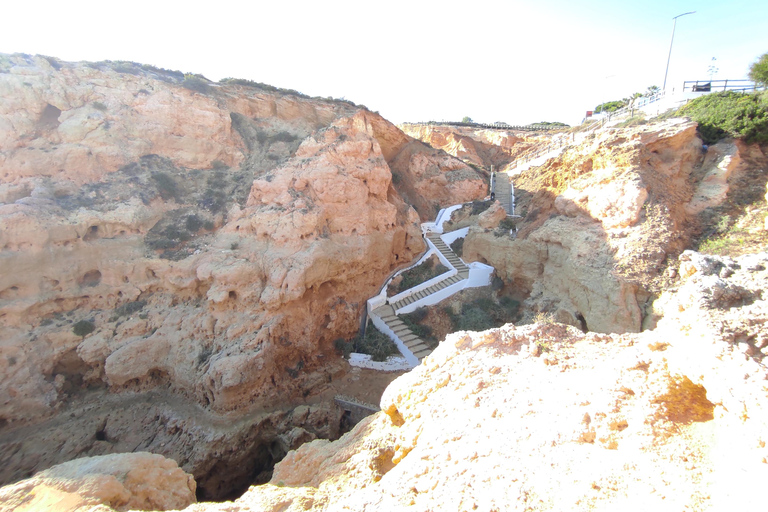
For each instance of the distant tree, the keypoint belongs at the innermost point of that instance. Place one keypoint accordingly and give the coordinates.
(652, 89)
(467, 119)
(610, 106)
(758, 71)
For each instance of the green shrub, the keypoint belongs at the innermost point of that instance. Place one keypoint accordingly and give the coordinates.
(729, 113)
(375, 343)
(283, 137)
(343, 347)
(128, 309)
(479, 207)
(83, 328)
(193, 223)
(457, 246)
(610, 106)
(507, 223)
(758, 71)
(166, 186)
(264, 87)
(174, 233)
(413, 322)
(99, 106)
(417, 275)
(196, 83)
(483, 313)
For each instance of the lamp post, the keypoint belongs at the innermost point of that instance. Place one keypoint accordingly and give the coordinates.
(670, 46)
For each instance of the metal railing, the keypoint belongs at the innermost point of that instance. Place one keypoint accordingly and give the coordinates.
(719, 85)
(494, 126)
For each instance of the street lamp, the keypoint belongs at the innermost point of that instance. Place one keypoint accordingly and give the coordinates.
(670, 46)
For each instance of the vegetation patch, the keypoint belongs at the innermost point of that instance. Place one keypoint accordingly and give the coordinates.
(457, 246)
(734, 114)
(196, 83)
(128, 309)
(166, 186)
(734, 237)
(344, 347)
(376, 344)
(478, 207)
(419, 274)
(484, 313)
(83, 328)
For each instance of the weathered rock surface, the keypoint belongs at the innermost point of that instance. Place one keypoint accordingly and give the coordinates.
(127, 481)
(479, 147)
(544, 417)
(212, 240)
(601, 221)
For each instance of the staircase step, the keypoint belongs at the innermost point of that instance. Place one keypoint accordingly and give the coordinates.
(416, 348)
(422, 354)
(406, 338)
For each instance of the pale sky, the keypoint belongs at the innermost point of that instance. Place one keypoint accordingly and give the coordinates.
(417, 60)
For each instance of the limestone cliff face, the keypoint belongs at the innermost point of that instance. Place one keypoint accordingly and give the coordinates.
(212, 240)
(601, 221)
(545, 417)
(479, 147)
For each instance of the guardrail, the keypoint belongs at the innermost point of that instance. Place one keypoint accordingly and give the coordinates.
(494, 126)
(719, 85)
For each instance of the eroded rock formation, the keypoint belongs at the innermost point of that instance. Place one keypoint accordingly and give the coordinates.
(480, 147)
(126, 481)
(603, 221)
(205, 242)
(545, 417)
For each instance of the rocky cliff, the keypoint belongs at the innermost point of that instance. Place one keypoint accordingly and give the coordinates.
(545, 417)
(192, 250)
(601, 224)
(480, 147)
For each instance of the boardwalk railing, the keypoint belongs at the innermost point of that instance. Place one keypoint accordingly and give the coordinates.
(719, 85)
(494, 126)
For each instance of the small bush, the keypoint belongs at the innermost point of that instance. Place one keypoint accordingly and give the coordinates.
(283, 137)
(196, 83)
(193, 223)
(479, 207)
(83, 328)
(204, 355)
(174, 233)
(417, 275)
(219, 165)
(733, 114)
(507, 223)
(458, 247)
(343, 347)
(376, 344)
(99, 106)
(166, 186)
(128, 309)
(483, 313)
